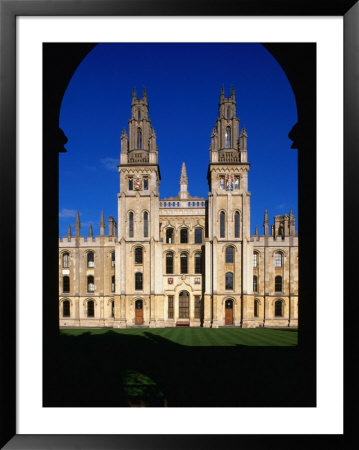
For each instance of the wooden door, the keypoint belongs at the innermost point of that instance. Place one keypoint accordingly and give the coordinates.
(229, 312)
(138, 312)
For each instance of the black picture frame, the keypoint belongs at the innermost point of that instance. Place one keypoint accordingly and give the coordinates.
(9, 10)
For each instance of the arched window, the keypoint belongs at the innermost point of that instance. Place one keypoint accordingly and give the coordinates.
(139, 138)
(222, 223)
(90, 309)
(113, 259)
(90, 259)
(184, 236)
(236, 224)
(169, 262)
(278, 259)
(169, 235)
(66, 284)
(255, 260)
(184, 263)
(138, 281)
(198, 263)
(90, 284)
(228, 137)
(184, 305)
(65, 308)
(229, 255)
(112, 308)
(130, 224)
(255, 283)
(198, 236)
(113, 286)
(145, 224)
(256, 308)
(278, 283)
(228, 113)
(229, 280)
(138, 255)
(278, 308)
(138, 115)
(65, 260)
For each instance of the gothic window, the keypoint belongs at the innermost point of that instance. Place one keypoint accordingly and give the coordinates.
(138, 255)
(169, 262)
(255, 260)
(184, 263)
(228, 137)
(90, 284)
(138, 115)
(222, 221)
(169, 236)
(278, 259)
(130, 224)
(113, 259)
(236, 183)
(145, 184)
(145, 224)
(255, 283)
(197, 306)
(229, 255)
(228, 113)
(66, 308)
(278, 283)
(170, 307)
(66, 284)
(198, 263)
(229, 280)
(256, 308)
(139, 138)
(65, 260)
(90, 309)
(278, 308)
(184, 236)
(138, 281)
(198, 236)
(113, 283)
(90, 259)
(130, 184)
(112, 308)
(236, 224)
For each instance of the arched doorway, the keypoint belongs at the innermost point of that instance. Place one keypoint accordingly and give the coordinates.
(228, 312)
(139, 312)
(183, 312)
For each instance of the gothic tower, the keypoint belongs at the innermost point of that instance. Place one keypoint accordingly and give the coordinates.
(138, 216)
(229, 244)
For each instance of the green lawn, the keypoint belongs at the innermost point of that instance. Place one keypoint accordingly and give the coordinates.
(175, 367)
(202, 337)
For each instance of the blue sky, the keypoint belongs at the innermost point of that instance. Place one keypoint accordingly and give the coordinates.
(183, 83)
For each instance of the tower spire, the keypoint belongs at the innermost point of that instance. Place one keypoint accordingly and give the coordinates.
(90, 231)
(183, 182)
(266, 223)
(102, 224)
(69, 233)
(78, 224)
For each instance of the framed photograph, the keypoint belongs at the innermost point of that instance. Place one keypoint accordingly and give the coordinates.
(44, 392)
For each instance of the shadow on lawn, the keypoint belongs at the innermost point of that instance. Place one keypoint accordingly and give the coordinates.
(118, 369)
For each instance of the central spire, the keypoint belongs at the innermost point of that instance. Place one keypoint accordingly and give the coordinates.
(183, 193)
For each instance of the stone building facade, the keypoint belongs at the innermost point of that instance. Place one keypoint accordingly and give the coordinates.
(183, 260)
